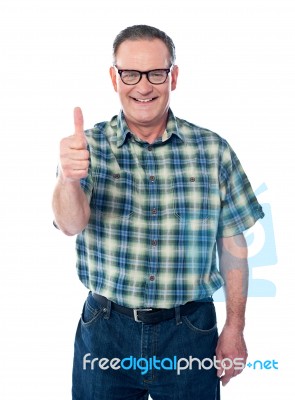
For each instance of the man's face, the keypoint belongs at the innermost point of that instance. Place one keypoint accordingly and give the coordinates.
(145, 105)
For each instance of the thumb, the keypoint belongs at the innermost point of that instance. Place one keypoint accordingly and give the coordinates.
(78, 121)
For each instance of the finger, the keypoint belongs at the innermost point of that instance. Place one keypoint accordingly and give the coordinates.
(76, 165)
(225, 378)
(228, 374)
(75, 170)
(78, 121)
(219, 366)
(220, 372)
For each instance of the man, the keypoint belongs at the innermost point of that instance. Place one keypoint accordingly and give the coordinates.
(149, 196)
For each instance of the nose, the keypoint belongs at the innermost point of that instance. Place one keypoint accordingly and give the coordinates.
(144, 86)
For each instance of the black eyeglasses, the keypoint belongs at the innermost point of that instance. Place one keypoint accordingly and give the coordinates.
(132, 77)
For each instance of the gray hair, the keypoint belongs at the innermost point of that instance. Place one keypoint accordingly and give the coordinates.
(142, 32)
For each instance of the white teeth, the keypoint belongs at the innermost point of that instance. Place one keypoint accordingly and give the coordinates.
(144, 101)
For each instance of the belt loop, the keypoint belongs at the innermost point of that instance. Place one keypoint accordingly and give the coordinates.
(177, 315)
(107, 309)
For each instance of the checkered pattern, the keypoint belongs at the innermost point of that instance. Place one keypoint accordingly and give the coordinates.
(157, 211)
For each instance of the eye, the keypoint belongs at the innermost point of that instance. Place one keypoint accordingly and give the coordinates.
(130, 74)
(157, 74)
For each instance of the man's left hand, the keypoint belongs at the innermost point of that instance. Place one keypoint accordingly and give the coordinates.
(231, 346)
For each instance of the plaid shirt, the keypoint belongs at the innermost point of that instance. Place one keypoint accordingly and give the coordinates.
(156, 211)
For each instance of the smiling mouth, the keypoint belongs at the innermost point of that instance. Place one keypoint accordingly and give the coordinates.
(144, 100)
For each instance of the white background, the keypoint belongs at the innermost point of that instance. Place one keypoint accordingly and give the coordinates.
(237, 64)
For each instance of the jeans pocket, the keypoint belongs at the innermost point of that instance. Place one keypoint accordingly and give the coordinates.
(203, 320)
(91, 312)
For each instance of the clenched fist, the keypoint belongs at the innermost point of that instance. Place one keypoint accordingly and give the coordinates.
(74, 156)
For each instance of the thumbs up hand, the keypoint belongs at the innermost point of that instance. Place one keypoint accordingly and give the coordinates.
(74, 156)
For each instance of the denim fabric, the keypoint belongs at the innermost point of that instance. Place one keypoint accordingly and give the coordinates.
(103, 333)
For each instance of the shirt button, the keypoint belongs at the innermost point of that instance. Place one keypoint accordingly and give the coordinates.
(154, 243)
(154, 211)
(152, 278)
(116, 176)
(150, 148)
(192, 179)
(152, 178)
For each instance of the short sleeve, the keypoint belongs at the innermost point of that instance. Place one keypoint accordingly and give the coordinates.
(239, 206)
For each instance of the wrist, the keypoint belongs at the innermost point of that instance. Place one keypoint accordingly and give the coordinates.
(235, 325)
(65, 181)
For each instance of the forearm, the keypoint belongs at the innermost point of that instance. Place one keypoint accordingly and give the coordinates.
(70, 206)
(234, 270)
(236, 297)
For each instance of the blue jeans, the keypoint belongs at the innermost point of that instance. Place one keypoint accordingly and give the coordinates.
(117, 358)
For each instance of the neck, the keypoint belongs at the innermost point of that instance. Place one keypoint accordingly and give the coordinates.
(148, 133)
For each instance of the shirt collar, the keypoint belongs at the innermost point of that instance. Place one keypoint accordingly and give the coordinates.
(123, 130)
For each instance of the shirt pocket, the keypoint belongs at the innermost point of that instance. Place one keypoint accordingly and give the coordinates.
(112, 196)
(191, 198)
(197, 201)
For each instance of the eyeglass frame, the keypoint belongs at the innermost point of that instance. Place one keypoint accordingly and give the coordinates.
(167, 70)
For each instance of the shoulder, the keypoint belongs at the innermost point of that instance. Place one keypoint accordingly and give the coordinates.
(194, 134)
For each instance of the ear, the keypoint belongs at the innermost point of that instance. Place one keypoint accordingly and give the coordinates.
(113, 76)
(174, 76)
